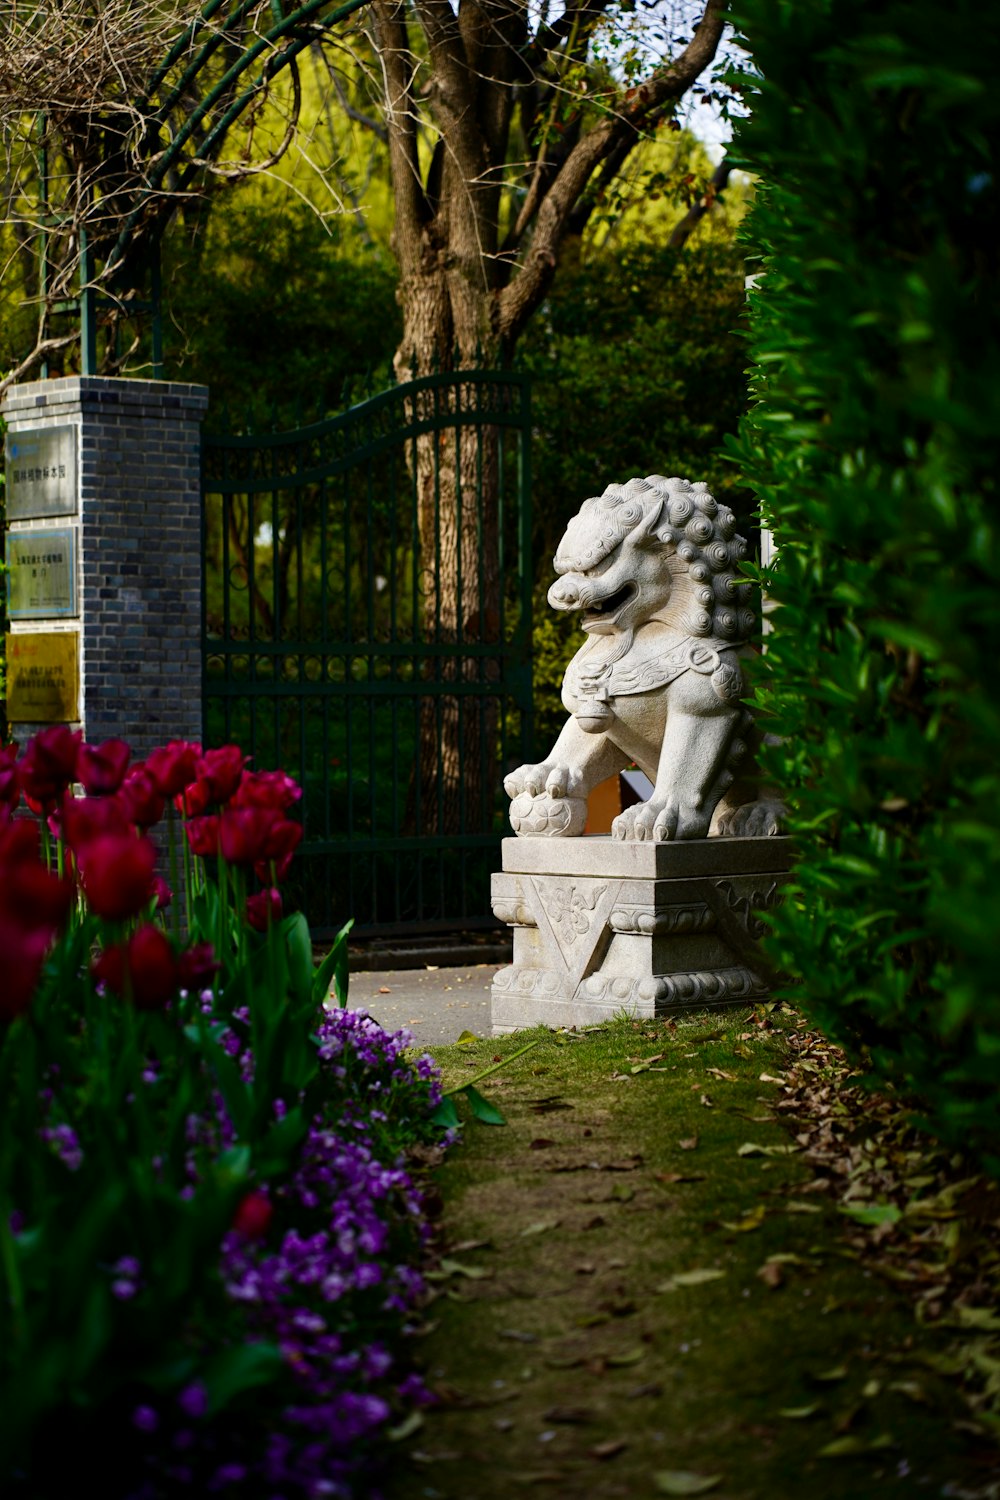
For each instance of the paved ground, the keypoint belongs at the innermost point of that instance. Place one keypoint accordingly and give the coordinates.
(437, 1005)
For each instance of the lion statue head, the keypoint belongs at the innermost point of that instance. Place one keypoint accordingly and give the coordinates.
(610, 561)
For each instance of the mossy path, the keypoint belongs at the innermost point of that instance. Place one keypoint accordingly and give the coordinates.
(645, 1288)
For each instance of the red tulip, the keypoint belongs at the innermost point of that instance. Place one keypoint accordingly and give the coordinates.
(196, 966)
(19, 843)
(263, 909)
(48, 765)
(243, 833)
(145, 968)
(283, 839)
(195, 800)
(23, 957)
(84, 819)
(253, 1216)
(117, 874)
(164, 895)
(101, 768)
(267, 789)
(10, 782)
(174, 766)
(203, 835)
(34, 898)
(29, 894)
(33, 906)
(222, 769)
(141, 797)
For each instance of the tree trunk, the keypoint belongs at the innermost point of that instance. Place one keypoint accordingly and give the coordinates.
(456, 473)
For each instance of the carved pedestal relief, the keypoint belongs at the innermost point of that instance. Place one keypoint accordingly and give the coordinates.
(586, 948)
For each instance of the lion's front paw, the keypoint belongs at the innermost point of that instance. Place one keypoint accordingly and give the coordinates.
(548, 777)
(646, 821)
(754, 820)
(547, 817)
(659, 822)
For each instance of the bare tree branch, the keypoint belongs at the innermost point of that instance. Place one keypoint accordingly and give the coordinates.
(717, 185)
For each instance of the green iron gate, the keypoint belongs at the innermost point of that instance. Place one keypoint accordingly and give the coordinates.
(367, 628)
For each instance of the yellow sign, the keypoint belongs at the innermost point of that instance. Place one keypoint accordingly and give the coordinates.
(43, 677)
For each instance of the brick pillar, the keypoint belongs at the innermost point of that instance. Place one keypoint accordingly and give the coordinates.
(136, 525)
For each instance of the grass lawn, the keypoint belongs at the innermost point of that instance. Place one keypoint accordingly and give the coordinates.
(699, 1259)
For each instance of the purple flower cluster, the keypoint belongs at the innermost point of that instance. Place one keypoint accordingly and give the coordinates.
(321, 1267)
(64, 1142)
(359, 1050)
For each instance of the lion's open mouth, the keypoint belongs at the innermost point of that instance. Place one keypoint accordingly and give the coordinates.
(605, 611)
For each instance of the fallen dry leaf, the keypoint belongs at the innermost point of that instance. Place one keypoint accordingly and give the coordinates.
(771, 1274)
(831, 1376)
(625, 1358)
(691, 1144)
(696, 1277)
(609, 1449)
(751, 1221)
(857, 1446)
(570, 1416)
(540, 1226)
(685, 1482)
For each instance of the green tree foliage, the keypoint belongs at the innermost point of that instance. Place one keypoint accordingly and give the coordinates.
(874, 446)
(276, 311)
(638, 368)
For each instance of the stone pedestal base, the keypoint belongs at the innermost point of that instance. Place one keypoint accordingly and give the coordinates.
(603, 926)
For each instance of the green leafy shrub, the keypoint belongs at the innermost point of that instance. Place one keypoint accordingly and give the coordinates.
(873, 446)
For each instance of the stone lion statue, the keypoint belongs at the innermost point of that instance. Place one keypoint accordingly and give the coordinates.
(651, 566)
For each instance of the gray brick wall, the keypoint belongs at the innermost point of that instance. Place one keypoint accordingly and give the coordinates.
(139, 549)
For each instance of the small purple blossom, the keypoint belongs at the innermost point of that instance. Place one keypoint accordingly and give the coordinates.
(64, 1142)
(145, 1419)
(228, 1474)
(193, 1400)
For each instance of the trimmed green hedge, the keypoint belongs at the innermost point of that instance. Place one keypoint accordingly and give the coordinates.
(873, 445)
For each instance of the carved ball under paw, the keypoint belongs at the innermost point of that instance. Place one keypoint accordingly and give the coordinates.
(545, 816)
